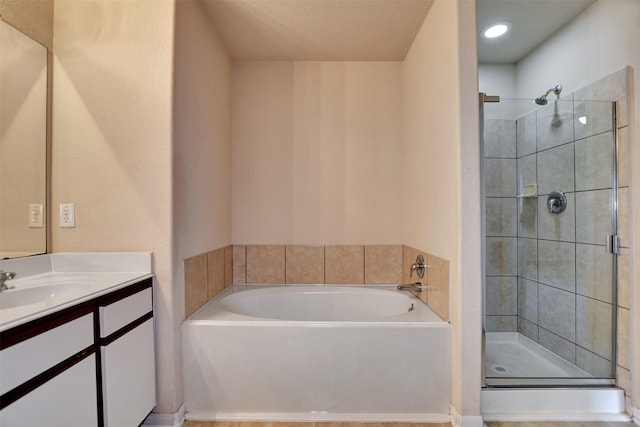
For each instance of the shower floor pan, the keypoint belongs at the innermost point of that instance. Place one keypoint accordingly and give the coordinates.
(515, 361)
(512, 355)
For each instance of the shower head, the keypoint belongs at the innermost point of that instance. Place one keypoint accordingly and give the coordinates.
(543, 99)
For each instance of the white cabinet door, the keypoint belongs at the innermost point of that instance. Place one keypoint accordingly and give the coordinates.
(128, 377)
(31, 357)
(67, 400)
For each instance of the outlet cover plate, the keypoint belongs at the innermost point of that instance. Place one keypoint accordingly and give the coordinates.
(36, 216)
(67, 215)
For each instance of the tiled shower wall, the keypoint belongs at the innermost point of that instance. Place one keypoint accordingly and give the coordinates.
(547, 274)
(208, 274)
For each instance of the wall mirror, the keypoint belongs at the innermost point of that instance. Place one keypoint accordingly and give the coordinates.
(23, 146)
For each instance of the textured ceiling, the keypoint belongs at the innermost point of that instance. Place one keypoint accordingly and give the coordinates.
(533, 21)
(318, 30)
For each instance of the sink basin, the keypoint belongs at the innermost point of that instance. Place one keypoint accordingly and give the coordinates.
(47, 295)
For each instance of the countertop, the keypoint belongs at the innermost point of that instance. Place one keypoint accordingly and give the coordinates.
(63, 280)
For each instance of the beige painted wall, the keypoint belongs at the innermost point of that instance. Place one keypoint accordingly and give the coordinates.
(201, 134)
(201, 150)
(112, 147)
(317, 152)
(467, 363)
(441, 179)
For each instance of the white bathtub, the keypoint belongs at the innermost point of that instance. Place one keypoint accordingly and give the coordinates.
(305, 353)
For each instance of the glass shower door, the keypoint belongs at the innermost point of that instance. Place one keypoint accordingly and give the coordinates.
(550, 199)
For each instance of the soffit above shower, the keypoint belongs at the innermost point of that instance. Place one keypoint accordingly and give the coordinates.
(534, 21)
(318, 30)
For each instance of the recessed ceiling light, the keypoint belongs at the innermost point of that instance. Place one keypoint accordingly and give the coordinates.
(496, 30)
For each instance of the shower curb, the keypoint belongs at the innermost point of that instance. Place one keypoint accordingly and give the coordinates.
(565, 404)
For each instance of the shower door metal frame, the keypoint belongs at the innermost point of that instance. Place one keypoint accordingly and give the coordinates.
(555, 382)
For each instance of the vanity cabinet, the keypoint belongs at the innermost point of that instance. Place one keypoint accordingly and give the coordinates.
(49, 379)
(87, 365)
(127, 354)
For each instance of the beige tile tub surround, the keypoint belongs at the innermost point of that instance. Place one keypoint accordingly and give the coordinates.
(239, 260)
(205, 276)
(344, 264)
(195, 283)
(436, 279)
(382, 264)
(438, 285)
(215, 273)
(265, 264)
(304, 264)
(228, 266)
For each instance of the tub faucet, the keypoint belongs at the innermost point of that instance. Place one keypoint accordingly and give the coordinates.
(414, 287)
(419, 266)
(4, 276)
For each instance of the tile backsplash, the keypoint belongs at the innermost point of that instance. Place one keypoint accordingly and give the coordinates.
(316, 264)
(208, 274)
(205, 276)
(344, 264)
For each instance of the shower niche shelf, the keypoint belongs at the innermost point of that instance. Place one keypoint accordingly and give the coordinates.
(528, 190)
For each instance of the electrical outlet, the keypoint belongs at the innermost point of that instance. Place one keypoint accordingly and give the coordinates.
(67, 215)
(36, 215)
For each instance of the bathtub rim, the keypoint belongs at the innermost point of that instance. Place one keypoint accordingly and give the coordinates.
(422, 316)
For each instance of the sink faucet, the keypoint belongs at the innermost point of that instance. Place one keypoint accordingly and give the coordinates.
(4, 276)
(414, 287)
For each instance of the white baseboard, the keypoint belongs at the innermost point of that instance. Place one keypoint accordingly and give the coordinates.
(305, 417)
(458, 420)
(165, 420)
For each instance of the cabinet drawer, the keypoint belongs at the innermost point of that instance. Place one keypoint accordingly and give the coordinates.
(29, 358)
(120, 313)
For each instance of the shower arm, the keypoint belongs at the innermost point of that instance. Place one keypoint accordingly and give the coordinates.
(557, 89)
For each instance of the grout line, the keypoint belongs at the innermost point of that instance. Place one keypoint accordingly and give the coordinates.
(364, 263)
(324, 264)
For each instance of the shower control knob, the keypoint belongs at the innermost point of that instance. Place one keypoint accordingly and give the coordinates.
(556, 202)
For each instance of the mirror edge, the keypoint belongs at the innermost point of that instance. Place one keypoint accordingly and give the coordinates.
(35, 19)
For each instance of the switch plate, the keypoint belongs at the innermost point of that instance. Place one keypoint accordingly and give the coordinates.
(35, 215)
(67, 215)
